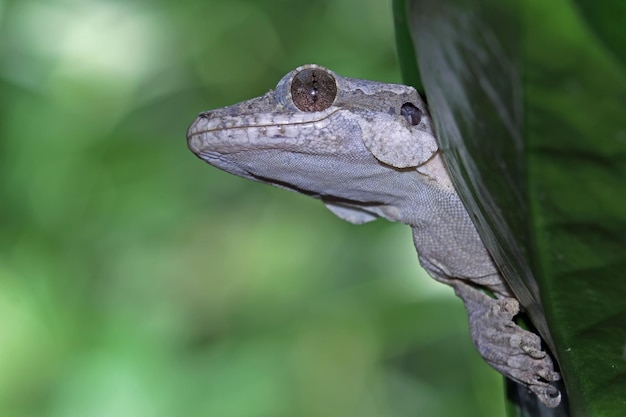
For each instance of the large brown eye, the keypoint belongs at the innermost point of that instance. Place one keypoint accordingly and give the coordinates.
(412, 114)
(313, 89)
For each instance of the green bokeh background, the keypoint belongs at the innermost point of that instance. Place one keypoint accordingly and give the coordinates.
(135, 280)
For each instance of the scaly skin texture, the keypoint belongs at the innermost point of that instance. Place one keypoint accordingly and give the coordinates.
(367, 150)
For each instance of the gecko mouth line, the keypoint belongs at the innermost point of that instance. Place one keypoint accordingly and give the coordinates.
(286, 123)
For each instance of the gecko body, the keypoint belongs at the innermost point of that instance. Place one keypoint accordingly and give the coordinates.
(367, 150)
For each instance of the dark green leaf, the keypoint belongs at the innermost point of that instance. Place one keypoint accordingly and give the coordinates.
(528, 101)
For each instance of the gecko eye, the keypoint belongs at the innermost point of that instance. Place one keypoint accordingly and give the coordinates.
(313, 89)
(412, 114)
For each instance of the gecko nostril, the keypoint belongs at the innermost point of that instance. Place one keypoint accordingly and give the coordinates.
(205, 115)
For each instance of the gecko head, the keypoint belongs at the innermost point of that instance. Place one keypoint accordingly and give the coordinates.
(344, 140)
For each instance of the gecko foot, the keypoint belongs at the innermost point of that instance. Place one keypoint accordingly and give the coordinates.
(505, 346)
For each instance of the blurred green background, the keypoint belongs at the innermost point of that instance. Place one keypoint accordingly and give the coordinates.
(135, 280)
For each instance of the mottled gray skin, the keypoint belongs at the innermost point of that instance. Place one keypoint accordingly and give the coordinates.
(365, 160)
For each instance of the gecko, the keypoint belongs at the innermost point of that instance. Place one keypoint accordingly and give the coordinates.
(367, 149)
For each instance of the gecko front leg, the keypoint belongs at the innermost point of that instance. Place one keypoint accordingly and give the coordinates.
(505, 346)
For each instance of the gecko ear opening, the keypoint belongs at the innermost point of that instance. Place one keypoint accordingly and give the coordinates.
(398, 146)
